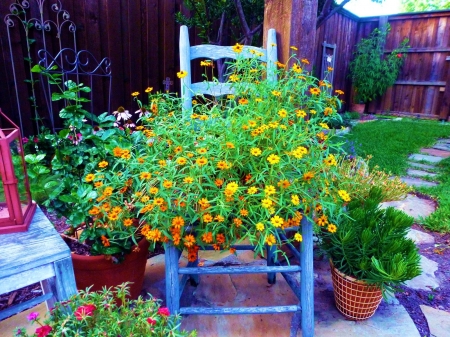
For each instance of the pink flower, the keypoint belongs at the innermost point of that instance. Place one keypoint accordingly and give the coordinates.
(25, 140)
(399, 56)
(151, 321)
(164, 311)
(84, 310)
(32, 316)
(43, 330)
(36, 140)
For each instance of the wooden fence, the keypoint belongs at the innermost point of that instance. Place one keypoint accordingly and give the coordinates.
(420, 89)
(141, 39)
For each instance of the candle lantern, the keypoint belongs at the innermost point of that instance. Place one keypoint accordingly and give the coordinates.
(16, 206)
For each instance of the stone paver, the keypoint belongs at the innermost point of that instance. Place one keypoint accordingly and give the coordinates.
(438, 321)
(427, 280)
(442, 146)
(424, 167)
(412, 181)
(420, 238)
(436, 152)
(424, 157)
(413, 206)
(419, 173)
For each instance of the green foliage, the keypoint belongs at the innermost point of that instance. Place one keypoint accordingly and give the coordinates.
(205, 15)
(424, 5)
(370, 70)
(90, 314)
(371, 245)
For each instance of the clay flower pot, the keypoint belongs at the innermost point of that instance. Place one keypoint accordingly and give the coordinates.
(98, 272)
(354, 299)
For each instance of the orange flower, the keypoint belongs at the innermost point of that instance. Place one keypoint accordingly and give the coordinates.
(177, 222)
(207, 237)
(189, 240)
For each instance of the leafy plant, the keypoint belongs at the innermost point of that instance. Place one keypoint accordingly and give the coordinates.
(43, 181)
(370, 243)
(90, 314)
(370, 70)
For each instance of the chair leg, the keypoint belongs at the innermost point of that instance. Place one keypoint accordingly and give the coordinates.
(194, 279)
(172, 281)
(307, 279)
(271, 256)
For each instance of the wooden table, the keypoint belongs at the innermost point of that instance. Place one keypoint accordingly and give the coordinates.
(38, 255)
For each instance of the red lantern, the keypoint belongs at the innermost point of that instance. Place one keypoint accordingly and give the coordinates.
(16, 206)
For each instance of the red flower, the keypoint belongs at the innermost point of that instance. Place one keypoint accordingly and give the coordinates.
(43, 330)
(151, 321)
(84, 310)
(399, 56)
(164, 311)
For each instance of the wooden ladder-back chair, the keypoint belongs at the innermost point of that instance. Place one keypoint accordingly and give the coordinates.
(304, 290)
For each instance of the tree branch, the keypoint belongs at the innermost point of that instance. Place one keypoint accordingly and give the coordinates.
(331, 13)
(245, 27)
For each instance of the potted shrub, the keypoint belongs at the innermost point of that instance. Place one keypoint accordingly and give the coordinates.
(371, 70)
(97, 314)
(369, 255)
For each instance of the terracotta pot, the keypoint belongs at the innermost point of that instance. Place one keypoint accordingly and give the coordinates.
(98, 272)
(357, 107)
(354, 298)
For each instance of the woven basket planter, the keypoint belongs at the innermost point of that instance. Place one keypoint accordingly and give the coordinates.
(354, 299)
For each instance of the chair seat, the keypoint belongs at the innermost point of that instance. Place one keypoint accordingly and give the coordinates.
(37, 255)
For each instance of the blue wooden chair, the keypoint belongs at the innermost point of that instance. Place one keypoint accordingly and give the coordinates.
(174, 284)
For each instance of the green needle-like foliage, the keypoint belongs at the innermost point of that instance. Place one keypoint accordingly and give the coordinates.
(371, 244)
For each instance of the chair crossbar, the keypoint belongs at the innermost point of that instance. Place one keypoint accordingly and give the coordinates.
(239, 270)
(238, 311)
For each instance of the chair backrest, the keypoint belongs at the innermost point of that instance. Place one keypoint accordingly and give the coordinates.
(213, 52)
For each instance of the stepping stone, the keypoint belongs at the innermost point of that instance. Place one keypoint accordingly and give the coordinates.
(427, 280)
(435, 152)
(421, 166)
(413, 206)
(424, 157)
(442, 146)
(438, 321)
(420, 173)
(411, 181)
(419, 237)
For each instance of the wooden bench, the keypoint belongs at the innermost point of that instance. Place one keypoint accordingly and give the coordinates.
(38, 255)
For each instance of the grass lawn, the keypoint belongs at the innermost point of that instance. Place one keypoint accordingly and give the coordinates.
(390, 143)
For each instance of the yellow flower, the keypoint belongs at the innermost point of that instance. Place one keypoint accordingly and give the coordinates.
(328, 111)
(255, 151)
(207, 218)
(295, 200)
(296, 68)
(237, 48)
(181, 161)
(145, 198)
(269, 190)
(293, 48)
(266, 203)
(314, 91)
(243, 101)
(182, 73)
(89, 177)
(308, 176)
(127, 222)
(282, 113)
(103, 164)
(260, 226)
(332, 228)
(167, 184)
(300, 113)
(298, 237)
(149, 89)
(273, 159)
(153, 190)
(222, 165)
(202, 150)
(134, 94)
(339, 92)
(178, 222)
(344, 195)
(252, 190)
(276, 93)
(162, 163)
(330, 68)
(305, 61)
(230, 145)
(233, 186)
(145, 175)
(271, 240)
(201, 161)
(277, 221)
(188, 180)
(206, 63)
(233, 78)
(330, 160)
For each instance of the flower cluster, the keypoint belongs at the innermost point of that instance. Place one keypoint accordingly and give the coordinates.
(247, 166)
(98, 314)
